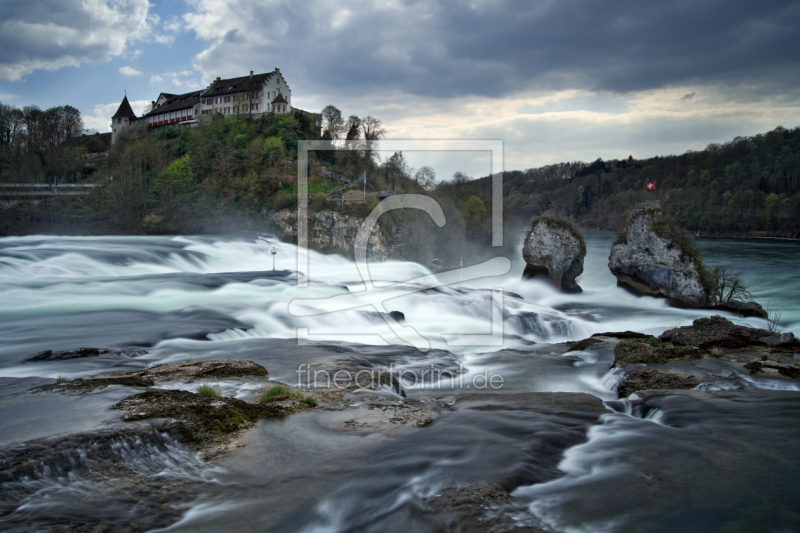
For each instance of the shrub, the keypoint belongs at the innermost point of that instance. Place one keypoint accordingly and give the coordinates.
(61, 379)
(724, 286)
(208, 390)
(319, 203)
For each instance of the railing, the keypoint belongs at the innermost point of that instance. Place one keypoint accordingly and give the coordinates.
(45, 189)
(650, 204)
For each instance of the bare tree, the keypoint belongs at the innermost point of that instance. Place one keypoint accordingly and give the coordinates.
(425, 178)
(373, 132)
(726, 286)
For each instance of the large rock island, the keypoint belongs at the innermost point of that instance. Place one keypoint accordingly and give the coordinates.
(554, 248)
(653, 256)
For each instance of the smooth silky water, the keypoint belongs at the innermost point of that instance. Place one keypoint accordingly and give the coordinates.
(721, 459)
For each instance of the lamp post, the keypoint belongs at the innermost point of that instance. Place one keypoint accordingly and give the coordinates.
(274, 251)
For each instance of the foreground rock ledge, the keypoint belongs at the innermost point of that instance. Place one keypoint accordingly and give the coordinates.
(554, 248)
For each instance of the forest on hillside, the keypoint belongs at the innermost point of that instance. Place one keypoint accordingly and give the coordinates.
(229, 173)
(748, 186)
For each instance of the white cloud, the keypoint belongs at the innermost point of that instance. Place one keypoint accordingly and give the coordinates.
(53, 34)
(4, 97)
(570, 125)
(184, 80)
(129, 71)
(100, 120)
(135, 55)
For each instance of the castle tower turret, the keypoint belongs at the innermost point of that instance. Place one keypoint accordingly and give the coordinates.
(122, 118)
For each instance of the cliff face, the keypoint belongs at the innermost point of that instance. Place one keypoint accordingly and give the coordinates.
(331, 232)
(554, 249)
(649, 260)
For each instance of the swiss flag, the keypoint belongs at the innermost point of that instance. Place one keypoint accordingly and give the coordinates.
(651, 186)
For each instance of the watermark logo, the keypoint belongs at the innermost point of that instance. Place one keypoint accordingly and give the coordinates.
(376, 296)
(394, 380)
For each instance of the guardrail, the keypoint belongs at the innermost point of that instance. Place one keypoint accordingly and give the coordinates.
(45, 189)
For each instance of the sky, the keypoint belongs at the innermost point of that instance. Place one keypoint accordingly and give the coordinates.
(556, 80)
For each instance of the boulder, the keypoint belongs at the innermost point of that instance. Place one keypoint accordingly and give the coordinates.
(719, 332)
(773, 367)
(639, 380)
(654, 257)
(554, 248)
(745, 309)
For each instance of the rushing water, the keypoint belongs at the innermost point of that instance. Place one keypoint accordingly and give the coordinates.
(163, 299)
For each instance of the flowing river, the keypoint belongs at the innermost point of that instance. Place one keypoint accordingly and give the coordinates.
(725, 457)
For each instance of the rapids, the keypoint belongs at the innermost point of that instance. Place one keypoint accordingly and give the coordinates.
(704, 460)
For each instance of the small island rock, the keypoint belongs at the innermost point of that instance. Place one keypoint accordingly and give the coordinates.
(554, 248)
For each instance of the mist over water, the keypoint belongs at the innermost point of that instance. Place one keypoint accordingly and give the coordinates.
(165, 299)
(126, 292)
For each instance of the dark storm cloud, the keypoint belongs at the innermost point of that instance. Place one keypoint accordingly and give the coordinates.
(493, 48)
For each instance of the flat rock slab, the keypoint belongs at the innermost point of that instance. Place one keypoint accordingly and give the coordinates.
(652, 351)
(204, 421)
(640, 380)
(189, 371)
(719, 332)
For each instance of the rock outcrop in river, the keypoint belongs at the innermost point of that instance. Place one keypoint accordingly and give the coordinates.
(554, 248)
(652, 256)
(331, 232)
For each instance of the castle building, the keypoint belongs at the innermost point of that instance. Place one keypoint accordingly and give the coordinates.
(250, 96)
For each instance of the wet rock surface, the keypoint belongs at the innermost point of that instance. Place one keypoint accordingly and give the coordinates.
(118, 479)
(651, 351)
(584, 344)
(50, 355)
(745, 309)
(639, 380)
(89, 384)
(204, 421)
(186, 372)
(773, 367)
(478, 508)
(717, 331)
(190, 371)
(554, 249)
(649, 260)
(623, 335)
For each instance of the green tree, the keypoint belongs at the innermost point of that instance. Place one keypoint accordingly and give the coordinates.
(475, 209)
(771, 204)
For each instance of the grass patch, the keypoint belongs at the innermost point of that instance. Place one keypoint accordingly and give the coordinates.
(208, 390)
(561, 223)
(281, 392)
(61, 379)
(656, 342)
